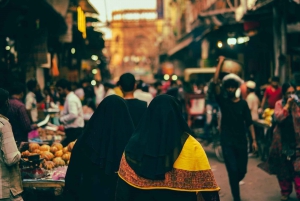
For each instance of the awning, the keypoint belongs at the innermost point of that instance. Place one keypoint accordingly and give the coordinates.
(184, 43)
(194, 36)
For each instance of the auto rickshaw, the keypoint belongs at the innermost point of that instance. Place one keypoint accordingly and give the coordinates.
(195, 103)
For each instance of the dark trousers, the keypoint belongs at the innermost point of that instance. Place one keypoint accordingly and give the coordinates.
(236, 159)
(71, 135)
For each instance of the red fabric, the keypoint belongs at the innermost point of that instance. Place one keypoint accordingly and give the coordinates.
(244, 91)
(286, 186)
(273, 95)
(175, 179)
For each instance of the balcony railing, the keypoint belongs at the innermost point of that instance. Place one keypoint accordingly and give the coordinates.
(129, 15)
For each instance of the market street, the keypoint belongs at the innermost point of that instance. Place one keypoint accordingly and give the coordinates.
(258, 186)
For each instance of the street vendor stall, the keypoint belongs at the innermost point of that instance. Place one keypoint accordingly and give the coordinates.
(264, 133)
(44, 166)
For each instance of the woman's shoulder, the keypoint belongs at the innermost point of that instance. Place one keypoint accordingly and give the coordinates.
(192, 156)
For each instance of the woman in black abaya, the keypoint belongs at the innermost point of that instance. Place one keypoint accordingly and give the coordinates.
(92, 172)
(162, 161)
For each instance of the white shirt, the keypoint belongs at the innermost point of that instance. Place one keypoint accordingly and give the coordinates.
(99, 91)
(253, 103)
(80, 93)
(144, 96)
(110, 92)
(31, 104)
(72, 115)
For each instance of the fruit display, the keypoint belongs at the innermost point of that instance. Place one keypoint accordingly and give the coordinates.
(48, 165)
(53, 156)
(268, 116)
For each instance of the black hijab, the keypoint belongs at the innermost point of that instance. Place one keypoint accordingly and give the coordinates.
(107, 134)
(157, 141)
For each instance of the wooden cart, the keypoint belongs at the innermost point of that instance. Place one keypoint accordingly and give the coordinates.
(40, 183)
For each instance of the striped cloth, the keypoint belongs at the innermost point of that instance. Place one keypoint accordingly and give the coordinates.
(10, 176)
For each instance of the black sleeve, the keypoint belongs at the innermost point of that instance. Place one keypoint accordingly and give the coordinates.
(247, 115)
(74, 172)
(220, 99)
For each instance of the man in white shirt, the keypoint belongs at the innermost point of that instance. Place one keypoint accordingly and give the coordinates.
(30, 102)
(252, 100)
(141, 95)
(253, 104)
(72, 115)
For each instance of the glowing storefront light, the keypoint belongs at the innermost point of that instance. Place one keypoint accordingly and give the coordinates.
(94, 57)
(242, 40)
(166, 77)
(220, 44)
(94, 71)
(93, 82)
(231, 41)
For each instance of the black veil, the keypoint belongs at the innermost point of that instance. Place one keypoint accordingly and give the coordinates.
(157, 141)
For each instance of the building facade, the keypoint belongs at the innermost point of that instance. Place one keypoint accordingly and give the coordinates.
(134, 44)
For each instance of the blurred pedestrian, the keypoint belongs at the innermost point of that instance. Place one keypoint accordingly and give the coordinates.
(253, 104)
(272, 94)
(118, 90)
(101, 146)
(162, 161)
(236, 116)
(17, 115)
(252, 99)
(173, 89)
(136, 107)
(284, 157)
(72, 115)
(31, 102)
(11, 181)
(158, 87)
(109, 89)
(78, 90)
(89, 94)
(140, 94)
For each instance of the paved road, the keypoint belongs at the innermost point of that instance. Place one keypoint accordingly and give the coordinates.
(259, 186)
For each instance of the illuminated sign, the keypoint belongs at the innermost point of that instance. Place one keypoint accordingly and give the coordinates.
(81, 21)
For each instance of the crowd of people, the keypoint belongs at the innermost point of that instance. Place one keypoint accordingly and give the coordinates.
(136, 143)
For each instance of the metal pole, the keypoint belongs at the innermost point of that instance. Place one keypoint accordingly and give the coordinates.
(276, 38)
(283, 61)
